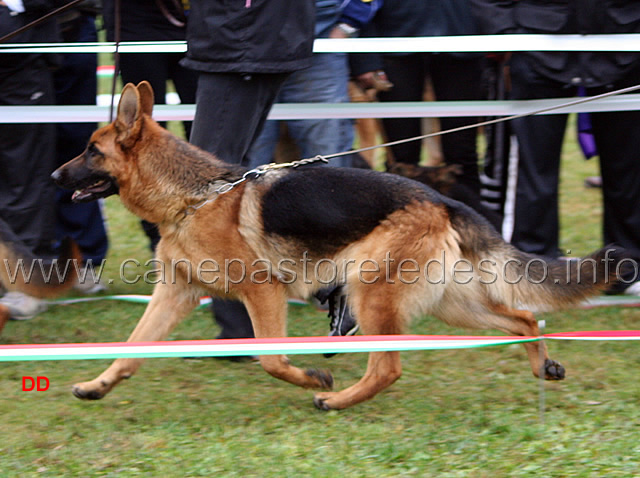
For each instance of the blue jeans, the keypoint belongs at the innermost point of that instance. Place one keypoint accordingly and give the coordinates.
(324, 82)
(76, 84)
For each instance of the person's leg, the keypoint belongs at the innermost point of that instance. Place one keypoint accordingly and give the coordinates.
(185, 82)
(76, 84)
(457, 78)
(540, 139)
(408, 77)
(617, 136)
(263, 149)
(152, 67)
(230, 111)
(324, 82)
(27, 159)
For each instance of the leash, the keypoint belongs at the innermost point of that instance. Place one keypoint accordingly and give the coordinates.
(252, 174)
(490, 122)
(265, 168)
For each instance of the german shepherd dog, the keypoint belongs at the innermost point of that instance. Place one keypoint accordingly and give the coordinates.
(377, 229)
(38, 282)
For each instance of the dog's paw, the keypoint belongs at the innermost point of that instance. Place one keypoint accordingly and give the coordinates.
(553, 370)
(86, 391)
(320, 402)
(323, 378)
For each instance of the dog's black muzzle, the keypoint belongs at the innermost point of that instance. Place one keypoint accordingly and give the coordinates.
(88, 184)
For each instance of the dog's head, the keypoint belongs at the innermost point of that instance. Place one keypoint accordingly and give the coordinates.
(94, 174)
(440, 178)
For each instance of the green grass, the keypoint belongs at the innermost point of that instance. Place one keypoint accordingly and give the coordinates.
(460, 413)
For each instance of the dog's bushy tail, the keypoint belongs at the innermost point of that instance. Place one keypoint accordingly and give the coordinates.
(21, 271)
(519, 279)
(551, 284)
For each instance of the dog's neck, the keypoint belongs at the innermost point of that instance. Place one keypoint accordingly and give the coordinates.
(179, 176)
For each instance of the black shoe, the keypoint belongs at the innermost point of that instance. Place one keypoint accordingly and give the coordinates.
(342, 322)
(230, 358)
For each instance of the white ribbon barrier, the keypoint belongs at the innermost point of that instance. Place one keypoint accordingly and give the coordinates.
(469, 43)
(466, 43)
(290, 111)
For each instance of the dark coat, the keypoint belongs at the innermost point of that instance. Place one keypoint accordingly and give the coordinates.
(250, 36)
(10, 63)
(589, 69)
(141, 20)
(415, 18)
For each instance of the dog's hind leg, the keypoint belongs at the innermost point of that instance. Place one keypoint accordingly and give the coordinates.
(267, 307)
(169, 304)
(523, 323)
(376, 316)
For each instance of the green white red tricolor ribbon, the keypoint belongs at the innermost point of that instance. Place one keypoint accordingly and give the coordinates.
(288, 345)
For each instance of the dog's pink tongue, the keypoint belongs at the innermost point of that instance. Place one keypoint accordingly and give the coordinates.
(78, 196)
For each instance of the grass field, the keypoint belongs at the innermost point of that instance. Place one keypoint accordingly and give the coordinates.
(460, 413)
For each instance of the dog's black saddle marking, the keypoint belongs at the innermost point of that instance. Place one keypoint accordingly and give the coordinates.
(326, 208)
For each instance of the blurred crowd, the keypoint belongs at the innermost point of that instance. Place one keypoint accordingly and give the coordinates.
(245, 55)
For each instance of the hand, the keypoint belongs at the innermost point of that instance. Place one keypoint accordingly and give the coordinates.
(374, 80)
(336, 32)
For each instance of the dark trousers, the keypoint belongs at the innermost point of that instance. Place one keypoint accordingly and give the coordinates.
(27, 159)
(230, 112)
(540, 139)
(453, 78)
(76, 84)
(157, 69)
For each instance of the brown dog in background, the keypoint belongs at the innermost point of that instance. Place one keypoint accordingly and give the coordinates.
(305, 219)
(12, 252)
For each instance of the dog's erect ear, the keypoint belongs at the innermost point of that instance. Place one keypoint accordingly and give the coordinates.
(128, 106)
(128, 123)
(146, 97)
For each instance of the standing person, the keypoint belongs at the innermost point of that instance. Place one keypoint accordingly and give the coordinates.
(153, 20)
(454, 76)
(539, 138)
(325, 81)
(27, 151)
(76, 84)
(243, 50)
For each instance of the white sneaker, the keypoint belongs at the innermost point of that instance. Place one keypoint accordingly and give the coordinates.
(633, 289)
(22, 306)
(89, 287)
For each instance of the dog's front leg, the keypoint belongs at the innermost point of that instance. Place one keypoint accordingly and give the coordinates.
(267, 307)
(169, 304)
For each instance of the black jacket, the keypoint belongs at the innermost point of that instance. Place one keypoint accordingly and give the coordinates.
(415, 18)
(141, 20)
(590, 69)
(250, 36)
(43, 33)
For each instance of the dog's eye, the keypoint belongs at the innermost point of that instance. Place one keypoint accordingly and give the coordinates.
(93, 150)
